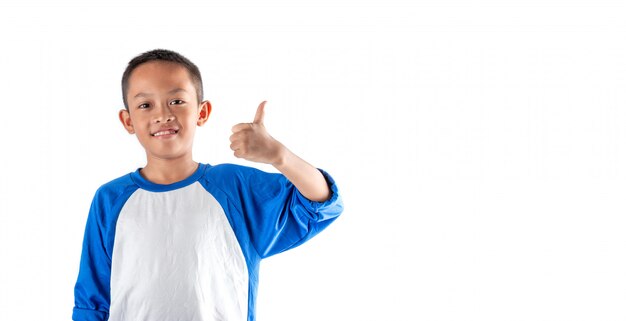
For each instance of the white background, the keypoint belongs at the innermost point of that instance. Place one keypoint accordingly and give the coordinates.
(480, 147)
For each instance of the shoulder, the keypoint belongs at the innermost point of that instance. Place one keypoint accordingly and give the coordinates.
(111, 190)
(230, 172)
(236, 179)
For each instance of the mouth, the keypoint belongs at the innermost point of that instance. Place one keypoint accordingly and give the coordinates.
(165, 133)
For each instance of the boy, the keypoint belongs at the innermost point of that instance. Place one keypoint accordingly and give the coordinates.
(181, 240)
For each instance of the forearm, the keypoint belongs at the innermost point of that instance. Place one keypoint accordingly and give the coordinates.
(304, 176)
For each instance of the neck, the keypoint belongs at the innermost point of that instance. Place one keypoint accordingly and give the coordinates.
(168, 171)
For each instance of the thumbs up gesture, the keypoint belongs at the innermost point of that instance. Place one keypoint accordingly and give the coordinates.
(252, 142)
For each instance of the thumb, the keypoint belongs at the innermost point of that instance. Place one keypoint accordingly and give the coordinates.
(260, 113)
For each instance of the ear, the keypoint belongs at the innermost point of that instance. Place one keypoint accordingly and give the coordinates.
(204, 112)
(124, 116)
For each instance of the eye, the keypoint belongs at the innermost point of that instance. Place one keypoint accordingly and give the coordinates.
(176, 102)
(143, 106)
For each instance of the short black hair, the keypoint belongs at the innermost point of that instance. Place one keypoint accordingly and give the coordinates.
(162, 55)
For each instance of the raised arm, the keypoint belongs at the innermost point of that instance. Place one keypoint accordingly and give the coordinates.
(252, 142)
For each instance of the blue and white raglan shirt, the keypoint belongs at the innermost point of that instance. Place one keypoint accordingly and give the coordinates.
(190, 251)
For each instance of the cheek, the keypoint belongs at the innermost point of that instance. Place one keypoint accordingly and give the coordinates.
(190, 118)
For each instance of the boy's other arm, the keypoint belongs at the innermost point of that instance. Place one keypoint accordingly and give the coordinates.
(252, 142)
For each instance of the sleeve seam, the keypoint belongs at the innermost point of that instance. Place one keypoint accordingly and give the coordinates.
(237, 208)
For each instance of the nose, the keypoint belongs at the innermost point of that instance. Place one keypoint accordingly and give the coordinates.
(163, 114)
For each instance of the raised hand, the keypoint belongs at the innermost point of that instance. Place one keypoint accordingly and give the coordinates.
(252, 142)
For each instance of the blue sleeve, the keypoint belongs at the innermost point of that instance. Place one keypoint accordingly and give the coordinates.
(277, 216)
(92, 290)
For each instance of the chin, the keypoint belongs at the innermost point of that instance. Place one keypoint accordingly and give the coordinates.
(168, 154)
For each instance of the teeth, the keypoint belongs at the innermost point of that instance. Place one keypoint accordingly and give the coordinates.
(165, 133)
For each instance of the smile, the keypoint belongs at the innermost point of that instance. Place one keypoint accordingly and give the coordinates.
(165, 133)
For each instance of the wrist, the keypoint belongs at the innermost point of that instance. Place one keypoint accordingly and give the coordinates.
(282, 156)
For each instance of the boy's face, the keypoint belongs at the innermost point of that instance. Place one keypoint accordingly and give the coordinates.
(163, 110)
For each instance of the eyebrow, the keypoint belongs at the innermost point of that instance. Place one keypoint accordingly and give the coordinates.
(173, 91)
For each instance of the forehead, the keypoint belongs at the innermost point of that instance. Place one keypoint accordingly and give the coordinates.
(156, 77)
